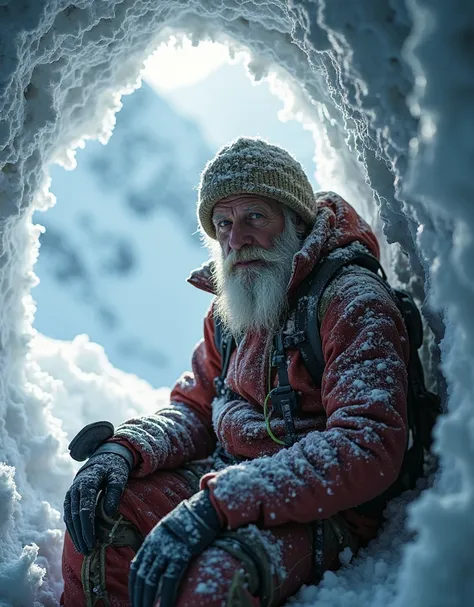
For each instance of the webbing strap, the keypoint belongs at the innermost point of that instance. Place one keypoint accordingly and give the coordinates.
(318, 550)
(307, 330)
(283, 397)
(248, 548)
(110, 531)
(93, 578)
(225, 344)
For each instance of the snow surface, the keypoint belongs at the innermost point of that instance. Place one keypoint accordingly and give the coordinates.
(389, 87)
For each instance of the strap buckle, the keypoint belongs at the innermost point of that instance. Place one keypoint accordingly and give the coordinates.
(285, 404)
(284, 399)
(291, 341)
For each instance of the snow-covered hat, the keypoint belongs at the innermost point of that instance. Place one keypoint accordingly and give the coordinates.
(253, 166)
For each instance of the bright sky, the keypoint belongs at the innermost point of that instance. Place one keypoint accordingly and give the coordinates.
(202, 83)
(178, 63)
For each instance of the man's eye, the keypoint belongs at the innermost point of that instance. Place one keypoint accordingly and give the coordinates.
(256, 215)
(223, 223)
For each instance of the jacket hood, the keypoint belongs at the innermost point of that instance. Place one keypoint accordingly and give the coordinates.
(337, 225)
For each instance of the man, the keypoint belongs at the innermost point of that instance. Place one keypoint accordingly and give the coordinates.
(220, 500)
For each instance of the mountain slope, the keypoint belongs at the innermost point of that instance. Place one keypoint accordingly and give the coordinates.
(119, 242)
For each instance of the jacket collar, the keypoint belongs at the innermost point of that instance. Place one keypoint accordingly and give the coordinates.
(201, 278)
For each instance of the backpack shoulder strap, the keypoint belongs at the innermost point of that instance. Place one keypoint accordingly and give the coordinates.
(225, 345)
(307, 330)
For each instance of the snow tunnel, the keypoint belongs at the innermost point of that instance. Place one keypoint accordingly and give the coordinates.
(389, 88)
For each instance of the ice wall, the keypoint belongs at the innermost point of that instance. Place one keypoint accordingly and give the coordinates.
(389, 87)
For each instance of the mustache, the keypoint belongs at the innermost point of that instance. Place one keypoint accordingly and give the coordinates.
(248, 253)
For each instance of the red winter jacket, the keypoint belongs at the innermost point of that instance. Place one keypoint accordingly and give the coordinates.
(352, 430)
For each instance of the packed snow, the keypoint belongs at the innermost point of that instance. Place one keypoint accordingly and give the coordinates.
(388, 88)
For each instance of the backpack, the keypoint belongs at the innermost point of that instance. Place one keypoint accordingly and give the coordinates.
(423, 407)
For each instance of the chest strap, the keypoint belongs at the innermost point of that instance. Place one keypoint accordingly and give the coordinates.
(225, 343)
(283, 397)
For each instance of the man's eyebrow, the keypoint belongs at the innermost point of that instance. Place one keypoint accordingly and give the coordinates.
(254, 206)
(218, 215)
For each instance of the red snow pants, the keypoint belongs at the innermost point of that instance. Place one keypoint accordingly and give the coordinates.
(101, 579)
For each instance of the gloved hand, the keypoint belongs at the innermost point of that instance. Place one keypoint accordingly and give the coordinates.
(159, 565)
(108, 470)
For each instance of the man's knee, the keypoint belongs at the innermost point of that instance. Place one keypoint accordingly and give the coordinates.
(117, 539)
(217, 579)
(253, 566)
(148, 499)
(240, 569)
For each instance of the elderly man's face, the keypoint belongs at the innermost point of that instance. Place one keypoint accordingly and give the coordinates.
(247, 220)
(253, 255)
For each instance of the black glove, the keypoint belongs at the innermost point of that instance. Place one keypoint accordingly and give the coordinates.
(108, 470)
(157, 569)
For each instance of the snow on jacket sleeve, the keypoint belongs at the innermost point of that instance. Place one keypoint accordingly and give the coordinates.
(360, 452)
(181, 431)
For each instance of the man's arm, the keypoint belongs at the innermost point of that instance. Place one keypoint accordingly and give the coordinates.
(181, 431)
(359, 455)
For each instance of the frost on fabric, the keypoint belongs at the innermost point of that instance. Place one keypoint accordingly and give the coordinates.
(213, 566)
(168, 438)
(243, 161)
(186, 381)
(241, 429)
(106, 465)
(359, 452)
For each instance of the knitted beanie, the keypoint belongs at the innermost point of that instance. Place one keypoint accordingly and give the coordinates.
(253, 166)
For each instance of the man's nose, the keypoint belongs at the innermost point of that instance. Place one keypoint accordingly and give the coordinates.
(240, 236)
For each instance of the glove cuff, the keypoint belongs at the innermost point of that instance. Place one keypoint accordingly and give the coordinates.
(113, 448)
(201, 508)
(197, 510)
(118, 449)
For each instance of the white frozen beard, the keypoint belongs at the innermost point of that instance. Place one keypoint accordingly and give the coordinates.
(254, 298)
